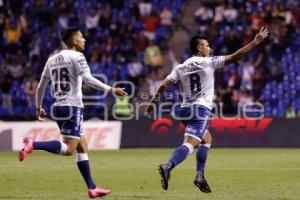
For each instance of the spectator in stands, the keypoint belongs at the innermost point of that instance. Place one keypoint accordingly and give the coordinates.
(145, 8)
(92, 19)
(21, 57)
(122, 108)
(233, 80)
(219, 13)
(248, 35)
(153, 84)
(290, 112)
(107, 52)
(106, 18)
(140, 43)
(258, 82)
(135, 11)
(95, 61)
(153, 58)
(23, 23)
(6, 83)
(228, 99)
(247, 74)
(230, 14)
(275, 74)
(245, 98)
(166, 18)
(12, 32)
(281, 12)
(203, 15)
(151, 23)
(30, 87)
(35, 45)
(135, 69)
(232, 40)
(256, 20)
(63, 20)
(15, 69)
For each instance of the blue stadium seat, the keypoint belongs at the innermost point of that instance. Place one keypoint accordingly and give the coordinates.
(30, 111)
(267, 111)
(124, 72)
(18, 110)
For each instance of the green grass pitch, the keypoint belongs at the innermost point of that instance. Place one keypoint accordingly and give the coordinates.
(132, 175)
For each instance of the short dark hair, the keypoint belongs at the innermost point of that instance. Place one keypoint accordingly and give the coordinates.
(67, 35)
(194, 43)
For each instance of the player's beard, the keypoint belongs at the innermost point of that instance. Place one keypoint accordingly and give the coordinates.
(80, 48)
(210, 53)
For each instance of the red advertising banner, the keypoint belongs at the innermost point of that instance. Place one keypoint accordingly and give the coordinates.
(167, 132)
(99, 134)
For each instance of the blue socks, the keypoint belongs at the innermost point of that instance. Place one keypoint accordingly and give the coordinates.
(82, 159)
(201, 158)
(84, 168)
(179, 155)
(50, 146)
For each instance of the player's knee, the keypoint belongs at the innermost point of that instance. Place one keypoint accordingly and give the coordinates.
(69, 152)
(207, 139)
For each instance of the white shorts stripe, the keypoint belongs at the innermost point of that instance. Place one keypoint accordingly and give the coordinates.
(194, 136)
(70, 136)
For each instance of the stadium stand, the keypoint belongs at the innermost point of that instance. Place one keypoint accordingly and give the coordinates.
(119, 32)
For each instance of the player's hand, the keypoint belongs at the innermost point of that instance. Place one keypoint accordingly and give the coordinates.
(263, 33)
(40, 114)
(149, 110)
(119, 91)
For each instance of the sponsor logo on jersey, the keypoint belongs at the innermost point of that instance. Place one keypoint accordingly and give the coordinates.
(82, 62)
(190, 130)
(66, 131)
(59, 58)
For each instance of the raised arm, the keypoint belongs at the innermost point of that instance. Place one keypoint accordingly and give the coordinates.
(238, 55)
(158, 93)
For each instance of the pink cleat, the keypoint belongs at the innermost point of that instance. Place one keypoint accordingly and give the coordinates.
(98, 192)
(28, 147)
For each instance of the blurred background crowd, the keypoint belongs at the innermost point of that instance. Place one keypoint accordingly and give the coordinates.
(130, 40)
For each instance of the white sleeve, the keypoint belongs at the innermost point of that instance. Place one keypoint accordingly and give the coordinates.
(46, 71)
(95, 83)
(216, 62)
(81, 64)
(39, 95)
(174, 75)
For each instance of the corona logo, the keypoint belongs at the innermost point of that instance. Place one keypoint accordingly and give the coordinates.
(161, 126)
(180, 129)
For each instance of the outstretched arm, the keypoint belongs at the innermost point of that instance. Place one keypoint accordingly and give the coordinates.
(158, 93)
(98, 85)
(238, 55)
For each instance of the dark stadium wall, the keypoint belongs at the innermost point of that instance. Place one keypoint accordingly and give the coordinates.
(5, 140)
(166, 132)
